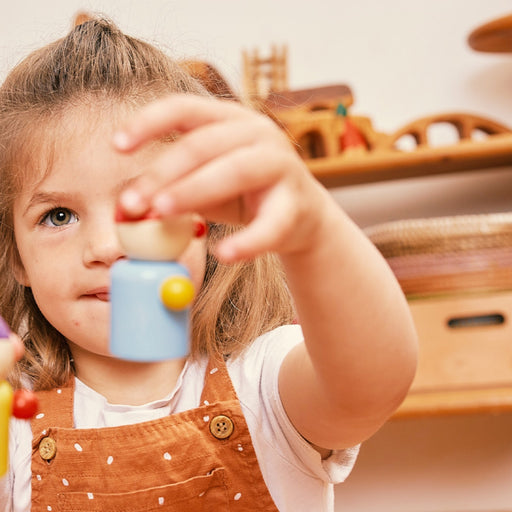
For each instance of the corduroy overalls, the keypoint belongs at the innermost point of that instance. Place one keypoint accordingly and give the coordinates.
(197, 460)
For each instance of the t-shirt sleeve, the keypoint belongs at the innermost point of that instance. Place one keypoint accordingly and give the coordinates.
(266, 356)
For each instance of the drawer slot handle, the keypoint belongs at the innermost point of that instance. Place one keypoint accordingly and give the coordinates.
(461, 322)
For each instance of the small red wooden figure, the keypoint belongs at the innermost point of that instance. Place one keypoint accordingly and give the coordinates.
(352, 136)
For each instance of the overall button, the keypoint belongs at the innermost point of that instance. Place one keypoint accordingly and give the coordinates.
(221, 427)
(47, 448)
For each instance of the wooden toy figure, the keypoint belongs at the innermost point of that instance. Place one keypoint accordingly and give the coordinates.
(20, 403)
(351, 136)
(150, 291)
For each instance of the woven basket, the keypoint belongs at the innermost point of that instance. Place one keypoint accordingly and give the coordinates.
(448, 254)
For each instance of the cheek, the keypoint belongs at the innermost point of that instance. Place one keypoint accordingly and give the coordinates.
(45, 292)
(31, 271)
(49, 280)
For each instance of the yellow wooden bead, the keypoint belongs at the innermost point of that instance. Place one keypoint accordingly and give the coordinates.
(6, 395)
(177, 292)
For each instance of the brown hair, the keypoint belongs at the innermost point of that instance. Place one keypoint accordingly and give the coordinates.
(97, 62)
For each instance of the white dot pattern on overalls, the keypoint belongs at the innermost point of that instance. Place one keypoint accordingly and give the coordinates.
(110, 459)
(40, 415)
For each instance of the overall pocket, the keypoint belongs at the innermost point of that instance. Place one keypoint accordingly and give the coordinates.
(197, 494)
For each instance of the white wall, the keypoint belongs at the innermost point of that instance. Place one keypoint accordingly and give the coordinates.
(403, 59)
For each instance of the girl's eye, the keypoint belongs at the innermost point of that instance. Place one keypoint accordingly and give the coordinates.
(59, 217)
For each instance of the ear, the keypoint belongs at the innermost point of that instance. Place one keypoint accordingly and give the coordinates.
(21, 276)
(18, 269)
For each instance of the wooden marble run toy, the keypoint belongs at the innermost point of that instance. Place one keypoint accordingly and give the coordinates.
(150, 291)
(321, 134)
(21, 403)
(343, 149)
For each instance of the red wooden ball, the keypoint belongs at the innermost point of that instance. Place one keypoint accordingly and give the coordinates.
(24, 404)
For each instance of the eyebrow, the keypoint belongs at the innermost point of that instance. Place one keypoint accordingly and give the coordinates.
(42, 197)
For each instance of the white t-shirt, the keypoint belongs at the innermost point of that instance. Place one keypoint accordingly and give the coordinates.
(295, 475)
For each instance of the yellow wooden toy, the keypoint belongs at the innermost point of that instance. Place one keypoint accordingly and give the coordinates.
(6, 396)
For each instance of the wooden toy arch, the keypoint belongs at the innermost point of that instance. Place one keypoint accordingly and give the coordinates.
(312, 144)
(465, 124)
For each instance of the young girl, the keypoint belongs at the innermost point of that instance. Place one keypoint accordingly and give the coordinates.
(264, 414)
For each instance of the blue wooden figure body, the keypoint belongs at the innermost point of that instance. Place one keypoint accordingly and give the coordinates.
(143, 328)
(150, 292)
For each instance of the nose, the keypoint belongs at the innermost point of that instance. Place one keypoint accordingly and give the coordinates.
(103, 246)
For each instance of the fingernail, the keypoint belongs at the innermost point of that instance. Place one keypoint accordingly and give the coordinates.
(121, 140)
(164, 204)
(132, 201)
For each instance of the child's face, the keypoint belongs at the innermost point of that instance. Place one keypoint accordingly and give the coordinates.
(65, 230)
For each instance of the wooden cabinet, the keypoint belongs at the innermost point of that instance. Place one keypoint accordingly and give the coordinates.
(465, 361)
(457, 275)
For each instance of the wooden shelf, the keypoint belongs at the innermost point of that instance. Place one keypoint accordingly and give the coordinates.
(343, 149)
(441, 403)
(358, 168)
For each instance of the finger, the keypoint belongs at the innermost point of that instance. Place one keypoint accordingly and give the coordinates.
(239, 173)
(175, 113)
(186, 155)
(264, 233)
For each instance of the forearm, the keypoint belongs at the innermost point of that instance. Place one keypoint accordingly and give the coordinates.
(359, 334)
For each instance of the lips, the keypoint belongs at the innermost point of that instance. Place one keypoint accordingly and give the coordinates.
(102, 294)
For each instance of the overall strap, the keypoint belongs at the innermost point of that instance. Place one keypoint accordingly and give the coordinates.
(217, 383)
(55, 409)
